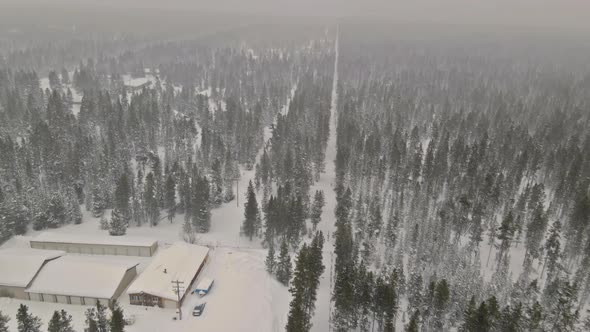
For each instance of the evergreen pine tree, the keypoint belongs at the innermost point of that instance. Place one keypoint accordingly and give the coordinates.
(316, 209)
(297, 320)
(270, 259)
(151, 200)
(414, 324)
(26, 321)
(117, 225)
(565, 314)
(200, 206)
(441, 298)
(97, 203)
(61, 321)
(117, 322)
(512, 319)
(469, 317)
(251, 214)
(4, 322)
(101, 317)
(216, 183)
(55, 323)
(91, 323)
(505, 234)
(535, 317)
(170, 197)
(552, 249)
(283, 268)
(122, 194)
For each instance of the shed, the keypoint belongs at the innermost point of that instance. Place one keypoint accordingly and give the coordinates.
(82, 280)
(19, 267)
(102, 244)
(180, 262)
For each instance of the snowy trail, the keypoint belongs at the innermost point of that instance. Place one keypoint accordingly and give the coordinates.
(321, 319)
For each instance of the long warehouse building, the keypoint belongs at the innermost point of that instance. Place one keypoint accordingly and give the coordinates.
(96, 244)
(82, 280)
(19, 267)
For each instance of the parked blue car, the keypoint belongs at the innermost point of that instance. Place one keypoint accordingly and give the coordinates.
(204, 287)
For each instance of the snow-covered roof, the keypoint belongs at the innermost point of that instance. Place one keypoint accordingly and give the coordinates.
(20, 265)
(204, 284)
(138, 81)
(180, 262)
(102, 239)
(89, 276)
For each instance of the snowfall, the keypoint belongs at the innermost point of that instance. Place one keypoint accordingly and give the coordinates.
(245, 297)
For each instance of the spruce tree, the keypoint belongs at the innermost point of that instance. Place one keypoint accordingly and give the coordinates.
(55, 323)
(170, 197)
(4, 322)
(552, 249)
(512, 319)
(26, 321)
(117, 225)
(565, 314)
(343, 294)
(117, 322)
(98, 204)
(200, 206)
(283, 268)
(151, 200)
(216, 183)
(270, 259)
(61, 321)
(469, 317)
(441, 298)
(251, 214)
(505, 234)
(414, 324)
(122, 194)
(297, 320)
(101, 317)
(91, 322)
(535, 317)
(316, 209)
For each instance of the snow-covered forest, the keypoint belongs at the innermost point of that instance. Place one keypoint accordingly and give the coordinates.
(396, 178)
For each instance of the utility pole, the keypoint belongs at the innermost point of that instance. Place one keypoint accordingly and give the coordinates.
(177, 286)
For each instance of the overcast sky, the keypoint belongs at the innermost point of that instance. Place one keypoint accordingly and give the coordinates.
(546, 13)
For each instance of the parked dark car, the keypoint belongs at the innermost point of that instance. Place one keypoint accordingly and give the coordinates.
(198, 310)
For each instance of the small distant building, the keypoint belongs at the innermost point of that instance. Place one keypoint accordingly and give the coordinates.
(181, 262)
(19, 267)
(96, 244)
(138, 87)
(82, 280)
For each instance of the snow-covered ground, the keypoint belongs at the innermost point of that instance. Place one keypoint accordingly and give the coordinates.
(244, 298)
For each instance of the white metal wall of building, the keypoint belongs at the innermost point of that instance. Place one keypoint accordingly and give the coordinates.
(49, 288)
(169, 304)
(97, 249)
(13, 292)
